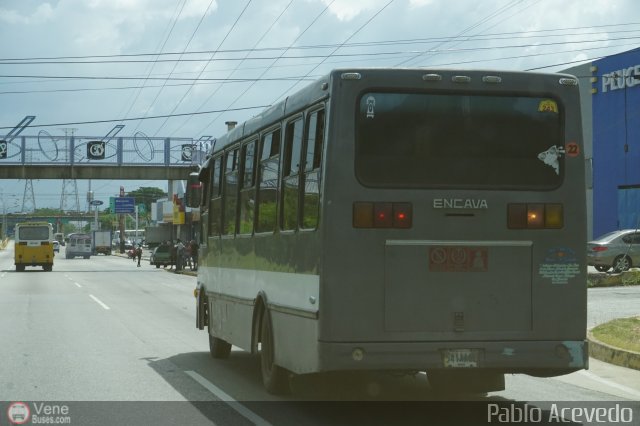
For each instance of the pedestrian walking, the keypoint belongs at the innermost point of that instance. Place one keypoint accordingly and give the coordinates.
(179, 255)
(194, 254)
(139, 254)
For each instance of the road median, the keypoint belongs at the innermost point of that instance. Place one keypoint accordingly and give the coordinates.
(612, 354)
(603, 279)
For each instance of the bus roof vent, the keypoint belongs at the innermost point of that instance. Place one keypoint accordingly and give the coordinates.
(350, 76)
(568, 81)
(432, 77)
(493, 79)
(461, 79)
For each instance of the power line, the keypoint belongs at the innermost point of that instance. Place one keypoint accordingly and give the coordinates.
(255, 45)
(176, 64)
(317, 17)
(324, 56)
(337, 48)
(469, 28)
(141, 118)
(482, 37)
(206, 65)
(155, 62)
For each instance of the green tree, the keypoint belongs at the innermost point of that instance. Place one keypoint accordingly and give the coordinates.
(147, 195)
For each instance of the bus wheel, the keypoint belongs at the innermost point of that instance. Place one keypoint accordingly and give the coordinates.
(219, 348)
(621, 263)
(19, 268)
(48, 268)
(274, 378)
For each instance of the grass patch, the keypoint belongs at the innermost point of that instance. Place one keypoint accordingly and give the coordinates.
(627, 278)
(623, 333)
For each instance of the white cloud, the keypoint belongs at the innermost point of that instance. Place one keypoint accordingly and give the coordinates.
(11, 17)
(419, 3)
(42, 13)
(346, 10)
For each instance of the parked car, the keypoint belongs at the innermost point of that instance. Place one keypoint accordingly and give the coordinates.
(619, 250)
(161, 255)
(56, 246)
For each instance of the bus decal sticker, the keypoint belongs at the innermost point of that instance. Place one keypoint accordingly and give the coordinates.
(371, 105)
(458, 259)
(548, 105)
(572, 149)
(551, 156)
(508, 351)
(560, 264)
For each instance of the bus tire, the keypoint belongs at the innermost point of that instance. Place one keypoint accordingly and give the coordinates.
(48, 268)
(219, 349)
(19, 268)
(274, 378)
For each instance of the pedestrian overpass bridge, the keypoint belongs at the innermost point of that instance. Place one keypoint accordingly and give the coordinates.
(79, 157)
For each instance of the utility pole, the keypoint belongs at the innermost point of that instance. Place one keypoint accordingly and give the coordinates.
(121, 223)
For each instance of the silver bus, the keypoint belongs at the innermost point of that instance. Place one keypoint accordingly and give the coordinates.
(400, 219)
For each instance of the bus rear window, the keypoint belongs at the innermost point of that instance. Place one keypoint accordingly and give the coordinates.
(33, 233)
(459, 141)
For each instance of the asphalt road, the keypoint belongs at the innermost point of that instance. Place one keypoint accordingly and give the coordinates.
(105, 330)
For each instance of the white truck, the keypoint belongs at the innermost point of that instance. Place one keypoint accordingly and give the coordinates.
(101, 242)
(155, 235)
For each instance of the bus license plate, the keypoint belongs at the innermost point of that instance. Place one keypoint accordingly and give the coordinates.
(461, 358)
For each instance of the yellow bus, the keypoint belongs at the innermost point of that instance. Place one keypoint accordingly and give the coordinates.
(34, 245)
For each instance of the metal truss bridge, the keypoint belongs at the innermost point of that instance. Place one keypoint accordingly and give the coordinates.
(79, 157)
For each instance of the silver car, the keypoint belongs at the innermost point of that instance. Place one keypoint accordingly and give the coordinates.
(619, 250)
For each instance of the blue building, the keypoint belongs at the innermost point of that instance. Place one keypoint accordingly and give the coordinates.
(610, 90)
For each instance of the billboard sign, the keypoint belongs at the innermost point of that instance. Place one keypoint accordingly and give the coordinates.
(124, 205)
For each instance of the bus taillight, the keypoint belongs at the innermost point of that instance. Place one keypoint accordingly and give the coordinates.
(382, 215)
(402, 215)
(535, 216)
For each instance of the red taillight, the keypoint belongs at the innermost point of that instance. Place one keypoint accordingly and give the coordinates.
(402, 215)
(599, 248)
(382, 215)
(535, 216)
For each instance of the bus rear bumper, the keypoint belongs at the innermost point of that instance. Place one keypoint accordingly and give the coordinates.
(538, 358)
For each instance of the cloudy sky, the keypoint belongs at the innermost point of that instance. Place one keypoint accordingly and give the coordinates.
(181, 68)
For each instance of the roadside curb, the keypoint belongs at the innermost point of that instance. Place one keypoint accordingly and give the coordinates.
(607, 353)
(183, 272)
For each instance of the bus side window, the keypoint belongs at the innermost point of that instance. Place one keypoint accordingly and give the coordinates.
(248, 188)
(229, 218)
(269, 161)
(291, 175)
(313, 159)
(215, 210)
(204, 204)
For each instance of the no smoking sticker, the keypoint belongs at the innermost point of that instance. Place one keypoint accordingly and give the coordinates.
(458, 259)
